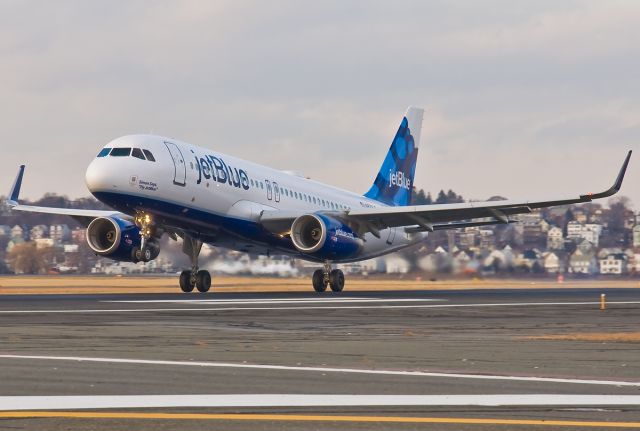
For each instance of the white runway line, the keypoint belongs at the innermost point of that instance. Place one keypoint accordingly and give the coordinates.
(314, 307)
(270, 301)
(13, 403)
(327, 370)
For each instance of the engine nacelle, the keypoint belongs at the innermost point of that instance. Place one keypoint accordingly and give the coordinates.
(324, 237)
(114, 238)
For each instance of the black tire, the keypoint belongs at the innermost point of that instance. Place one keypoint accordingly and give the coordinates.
(146, 254)
(185, 281)
(203, 281)
(135, 255)
(318, 281)
(336, 279)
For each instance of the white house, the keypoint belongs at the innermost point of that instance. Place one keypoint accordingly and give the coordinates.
(614, 263)
(591, 232)
(551, 263)
(555, 239)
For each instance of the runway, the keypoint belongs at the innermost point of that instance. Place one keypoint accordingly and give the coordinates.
(420, 359)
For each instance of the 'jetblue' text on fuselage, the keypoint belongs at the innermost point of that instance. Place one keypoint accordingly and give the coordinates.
(214, 168)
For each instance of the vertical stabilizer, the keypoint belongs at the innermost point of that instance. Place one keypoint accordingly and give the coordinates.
(394, 183)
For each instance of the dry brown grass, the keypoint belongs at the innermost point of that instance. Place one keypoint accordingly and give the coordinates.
(600, 337)
(169, 284)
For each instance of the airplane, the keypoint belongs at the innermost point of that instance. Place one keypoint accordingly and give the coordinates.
(157, 186)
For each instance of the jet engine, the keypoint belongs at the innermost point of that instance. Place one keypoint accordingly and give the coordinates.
(324, 237)
(114, 238)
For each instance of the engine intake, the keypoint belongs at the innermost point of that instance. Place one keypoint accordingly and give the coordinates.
(113, 237)
(308, 233)
(324, 237)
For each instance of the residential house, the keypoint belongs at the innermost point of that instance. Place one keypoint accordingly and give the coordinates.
(591, 231)
(551, 263)
(17, 232)
(582, 262)
(79, 235)
(636, 235)
(555, 239)
(614, 263)
(59, 233)
(487, 239)
(38, 232)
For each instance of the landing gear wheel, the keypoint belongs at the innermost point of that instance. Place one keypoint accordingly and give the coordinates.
(336, 279)
(185, 281)
(203, 281)
(318, 281)
(135, 255)
(142, 255)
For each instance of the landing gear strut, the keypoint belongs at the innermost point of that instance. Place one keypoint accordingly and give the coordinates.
(201, 279)
(328, 277)
(149, 235)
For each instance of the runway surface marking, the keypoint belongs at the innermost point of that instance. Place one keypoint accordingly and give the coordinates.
(313, 418)
(272, 301)
(313, 307)
(306, 400)
(325, 370)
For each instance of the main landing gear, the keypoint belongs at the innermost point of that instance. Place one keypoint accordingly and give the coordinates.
(201, 279)
(326, 276)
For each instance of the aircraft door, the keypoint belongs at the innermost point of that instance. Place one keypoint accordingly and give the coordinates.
(392, 235)
(180, 167)
(276, 191)
(269, 189)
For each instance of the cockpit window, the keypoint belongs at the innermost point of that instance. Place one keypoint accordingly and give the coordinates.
(120, 152)
(137, 152)
(149, 155)
(104, 152)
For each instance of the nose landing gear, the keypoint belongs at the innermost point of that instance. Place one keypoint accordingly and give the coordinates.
(149, 235)
(200, 279)
(328, 277)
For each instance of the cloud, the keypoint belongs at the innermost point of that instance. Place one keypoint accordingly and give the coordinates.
(522, 97)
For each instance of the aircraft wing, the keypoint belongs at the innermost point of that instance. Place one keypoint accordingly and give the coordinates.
(421, 218)
(83, 216)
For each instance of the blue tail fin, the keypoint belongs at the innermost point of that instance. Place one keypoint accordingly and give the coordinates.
(394, 182)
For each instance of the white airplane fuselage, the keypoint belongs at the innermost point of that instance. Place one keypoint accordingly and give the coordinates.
(219, 199)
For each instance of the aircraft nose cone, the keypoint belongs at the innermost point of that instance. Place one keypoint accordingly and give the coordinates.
(98, 176)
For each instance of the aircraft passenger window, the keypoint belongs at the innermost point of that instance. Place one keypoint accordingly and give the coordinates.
(314, 199)
(120, 152)
(323, 202)
(104, 152)
(252, 183)
(296, 193)
(262, 186)
(149, 155)
(137, 153)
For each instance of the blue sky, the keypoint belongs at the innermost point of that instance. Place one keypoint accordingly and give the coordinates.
(523, 99)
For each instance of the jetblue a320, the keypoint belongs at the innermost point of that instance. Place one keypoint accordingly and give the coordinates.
(160, 186)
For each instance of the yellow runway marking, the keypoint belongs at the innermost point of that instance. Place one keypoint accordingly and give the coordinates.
(311, 418)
